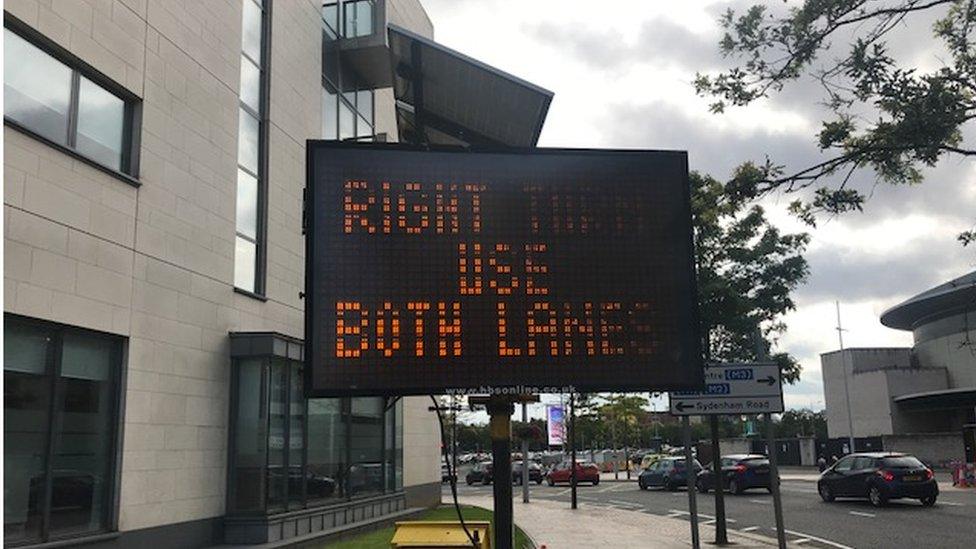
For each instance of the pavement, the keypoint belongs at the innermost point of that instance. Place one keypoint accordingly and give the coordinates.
(553, 525)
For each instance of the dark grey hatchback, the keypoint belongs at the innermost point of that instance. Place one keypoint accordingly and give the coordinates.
(879, 477)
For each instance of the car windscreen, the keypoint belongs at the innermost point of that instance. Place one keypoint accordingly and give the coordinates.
(903, 461)
(755, 461)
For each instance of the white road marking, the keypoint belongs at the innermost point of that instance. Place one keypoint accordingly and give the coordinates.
(749, 528)
(860, 514)
(710, 518)
(951, 503)
(821, 540)
(799, 541)
(760, 501)
(624, 503)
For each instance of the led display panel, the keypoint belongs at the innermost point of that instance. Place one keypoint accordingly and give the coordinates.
(535, 270)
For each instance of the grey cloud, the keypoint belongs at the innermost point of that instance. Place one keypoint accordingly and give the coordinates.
(659, 42)
(850, 275)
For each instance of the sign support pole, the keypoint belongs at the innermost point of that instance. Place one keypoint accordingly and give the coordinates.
(774, 481)
(500, 410)
(525, 455)
(572, 451)
(721, 534)
(692, 497)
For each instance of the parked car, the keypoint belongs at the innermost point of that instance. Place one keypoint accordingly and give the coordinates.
(879, 477)
(481, 472)
(739, 473)
(535, 472)
(669, 473)
(585, 472)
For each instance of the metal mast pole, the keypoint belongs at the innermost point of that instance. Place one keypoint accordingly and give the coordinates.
(847, 392)
(525, 454)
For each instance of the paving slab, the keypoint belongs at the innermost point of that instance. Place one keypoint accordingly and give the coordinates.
(553, 525)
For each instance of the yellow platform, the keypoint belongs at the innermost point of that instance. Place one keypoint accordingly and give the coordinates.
(441, 533)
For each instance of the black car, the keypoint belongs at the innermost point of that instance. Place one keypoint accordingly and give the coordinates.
(535, 472)
(481, 472)
(739, 473)
(879, 477)
(669, 473)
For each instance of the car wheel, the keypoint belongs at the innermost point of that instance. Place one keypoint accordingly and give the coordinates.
(825, 493)
(928, 501)
(734, 487)
(595, 482)
(550, 482)
(641, 485)
(668, 485)
(702, 489)
(877, 498)
(538, 481)
(469, 481)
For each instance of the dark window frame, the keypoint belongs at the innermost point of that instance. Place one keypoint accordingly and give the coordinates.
(131, 118)
(260, 239)
(53, 365)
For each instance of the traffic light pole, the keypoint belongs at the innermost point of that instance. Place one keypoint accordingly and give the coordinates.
(525, 455)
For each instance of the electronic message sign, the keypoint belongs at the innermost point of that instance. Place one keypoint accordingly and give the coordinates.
(536, 270)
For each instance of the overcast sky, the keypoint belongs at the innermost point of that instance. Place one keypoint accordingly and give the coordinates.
(622, 71)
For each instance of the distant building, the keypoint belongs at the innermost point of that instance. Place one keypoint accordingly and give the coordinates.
(928, 389)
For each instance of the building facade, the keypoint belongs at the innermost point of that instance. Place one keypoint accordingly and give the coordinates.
(907, 396)
(154, 259)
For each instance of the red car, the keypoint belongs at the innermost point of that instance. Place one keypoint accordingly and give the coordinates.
(585, 472)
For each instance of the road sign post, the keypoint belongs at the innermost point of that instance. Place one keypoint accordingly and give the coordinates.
(736, 389)
(690, 466)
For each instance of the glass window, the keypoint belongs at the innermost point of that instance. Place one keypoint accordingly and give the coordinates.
(330, 16)
(36, 88)
(250, 438)
(101, 119)
(277, 412)
(26, 420)
(364, 104)
(247, 204)
(82, 459)
(363, 129)
(347, 121)
(296, 434)
(844, 464)
(251, 31)
(74, 374)
(250, 84)
(325, 477)
(366, 446)
(245, 257)
(330, 115)
(247, 146)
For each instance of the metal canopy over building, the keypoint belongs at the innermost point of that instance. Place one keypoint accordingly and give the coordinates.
(934, 400)
(950, 298)
(446, 98)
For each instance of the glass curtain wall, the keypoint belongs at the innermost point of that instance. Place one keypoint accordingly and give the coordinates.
(292, 453)
(61, 398)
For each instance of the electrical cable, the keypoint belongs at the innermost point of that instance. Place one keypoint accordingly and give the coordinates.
(451, 474)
